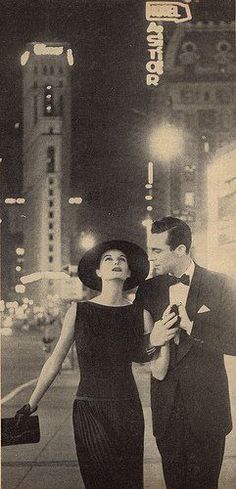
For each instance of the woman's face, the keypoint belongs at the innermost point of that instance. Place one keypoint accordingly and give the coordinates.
(113, 266)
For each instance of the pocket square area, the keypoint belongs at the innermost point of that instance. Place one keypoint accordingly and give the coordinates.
(203, 309)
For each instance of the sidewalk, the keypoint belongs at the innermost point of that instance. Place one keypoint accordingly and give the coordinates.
(52, 463)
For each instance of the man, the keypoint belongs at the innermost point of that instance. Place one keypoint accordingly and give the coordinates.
(190, 407)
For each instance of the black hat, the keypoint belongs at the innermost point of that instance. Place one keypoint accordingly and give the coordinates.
(137, 261)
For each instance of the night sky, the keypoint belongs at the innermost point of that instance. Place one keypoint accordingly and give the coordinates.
(109, 137)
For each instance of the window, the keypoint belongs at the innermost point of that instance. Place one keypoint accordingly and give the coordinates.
(50, 248)
(50, 192)
(50, 259)
(51, 159)
(50, 215)
(50, 237)
(51, 181)
(48, 101)
(35, 109)
(50, 225)
(189, 199)
(50, 203)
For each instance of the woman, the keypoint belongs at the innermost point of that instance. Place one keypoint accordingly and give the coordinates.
(109, 334)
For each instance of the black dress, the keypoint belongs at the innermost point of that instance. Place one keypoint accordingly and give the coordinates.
(107, 413)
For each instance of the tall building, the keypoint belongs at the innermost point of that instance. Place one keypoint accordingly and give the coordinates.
(47, 159)
(198, 89)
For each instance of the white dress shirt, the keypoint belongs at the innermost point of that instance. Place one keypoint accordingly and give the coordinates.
(179, 292)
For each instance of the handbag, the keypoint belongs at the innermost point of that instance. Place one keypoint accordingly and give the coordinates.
(13, 433)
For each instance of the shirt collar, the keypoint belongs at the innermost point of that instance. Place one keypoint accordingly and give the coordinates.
(190, 271)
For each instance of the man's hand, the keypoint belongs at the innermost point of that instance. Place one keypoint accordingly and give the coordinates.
(163, 331)
(185, 322)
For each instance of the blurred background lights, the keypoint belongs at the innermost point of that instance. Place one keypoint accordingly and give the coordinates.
(75, 200)
(166, 142)
(24, 58)
(149, 208)
(20, 251)
(148, 197)
(20, 289)
(18, 268)
(70, 57)
(87, 241)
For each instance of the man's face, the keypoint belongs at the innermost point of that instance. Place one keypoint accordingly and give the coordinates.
(164, 259)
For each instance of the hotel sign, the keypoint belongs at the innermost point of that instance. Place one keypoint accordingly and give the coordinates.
(168, 11)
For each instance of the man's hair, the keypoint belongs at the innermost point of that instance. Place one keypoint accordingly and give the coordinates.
(178, 232)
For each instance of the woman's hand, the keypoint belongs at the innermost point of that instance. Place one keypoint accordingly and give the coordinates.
(163, 330)
(23, 413)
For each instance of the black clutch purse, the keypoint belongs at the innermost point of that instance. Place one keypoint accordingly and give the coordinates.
(27, 431)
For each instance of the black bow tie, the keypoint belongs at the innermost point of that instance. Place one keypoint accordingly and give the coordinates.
(184, 279)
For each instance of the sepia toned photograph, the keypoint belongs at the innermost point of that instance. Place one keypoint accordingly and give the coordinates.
(118, 244)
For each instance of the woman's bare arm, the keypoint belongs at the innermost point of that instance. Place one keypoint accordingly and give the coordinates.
(160, 359)
(53, 365)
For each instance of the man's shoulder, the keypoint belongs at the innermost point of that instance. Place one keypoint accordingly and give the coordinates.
(216, 278)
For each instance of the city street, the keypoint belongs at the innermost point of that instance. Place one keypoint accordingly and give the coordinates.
(52, 463)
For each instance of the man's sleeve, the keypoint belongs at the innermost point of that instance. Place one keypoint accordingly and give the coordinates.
(216, 330)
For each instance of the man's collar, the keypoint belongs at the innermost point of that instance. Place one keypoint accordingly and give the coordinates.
(190, 270)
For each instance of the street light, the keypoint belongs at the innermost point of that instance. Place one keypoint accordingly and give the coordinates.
(87, 241)
(166, 142)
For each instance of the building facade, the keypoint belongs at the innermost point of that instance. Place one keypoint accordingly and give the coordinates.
(199, 92)
(221, 236)
(47, 159)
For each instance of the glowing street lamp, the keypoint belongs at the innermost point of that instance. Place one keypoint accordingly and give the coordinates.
(167, 142)
(87, 241)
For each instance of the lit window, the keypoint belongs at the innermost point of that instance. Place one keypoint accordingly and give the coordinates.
(189, 199)
(48, 100)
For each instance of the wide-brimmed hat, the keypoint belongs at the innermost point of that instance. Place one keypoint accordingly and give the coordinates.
(137, 261)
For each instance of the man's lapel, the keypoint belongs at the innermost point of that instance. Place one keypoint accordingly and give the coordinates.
(192, 306)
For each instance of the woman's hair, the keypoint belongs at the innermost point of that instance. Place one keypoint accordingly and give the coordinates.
(178, 232)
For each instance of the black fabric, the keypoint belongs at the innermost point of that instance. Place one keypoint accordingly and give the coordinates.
(109, 443)
(197, 363)
(184, 279)
(107, 340)
(17, 432)
(108, 425)
(189, 463)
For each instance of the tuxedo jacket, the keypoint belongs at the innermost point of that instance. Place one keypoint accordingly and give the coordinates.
(197, 363)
